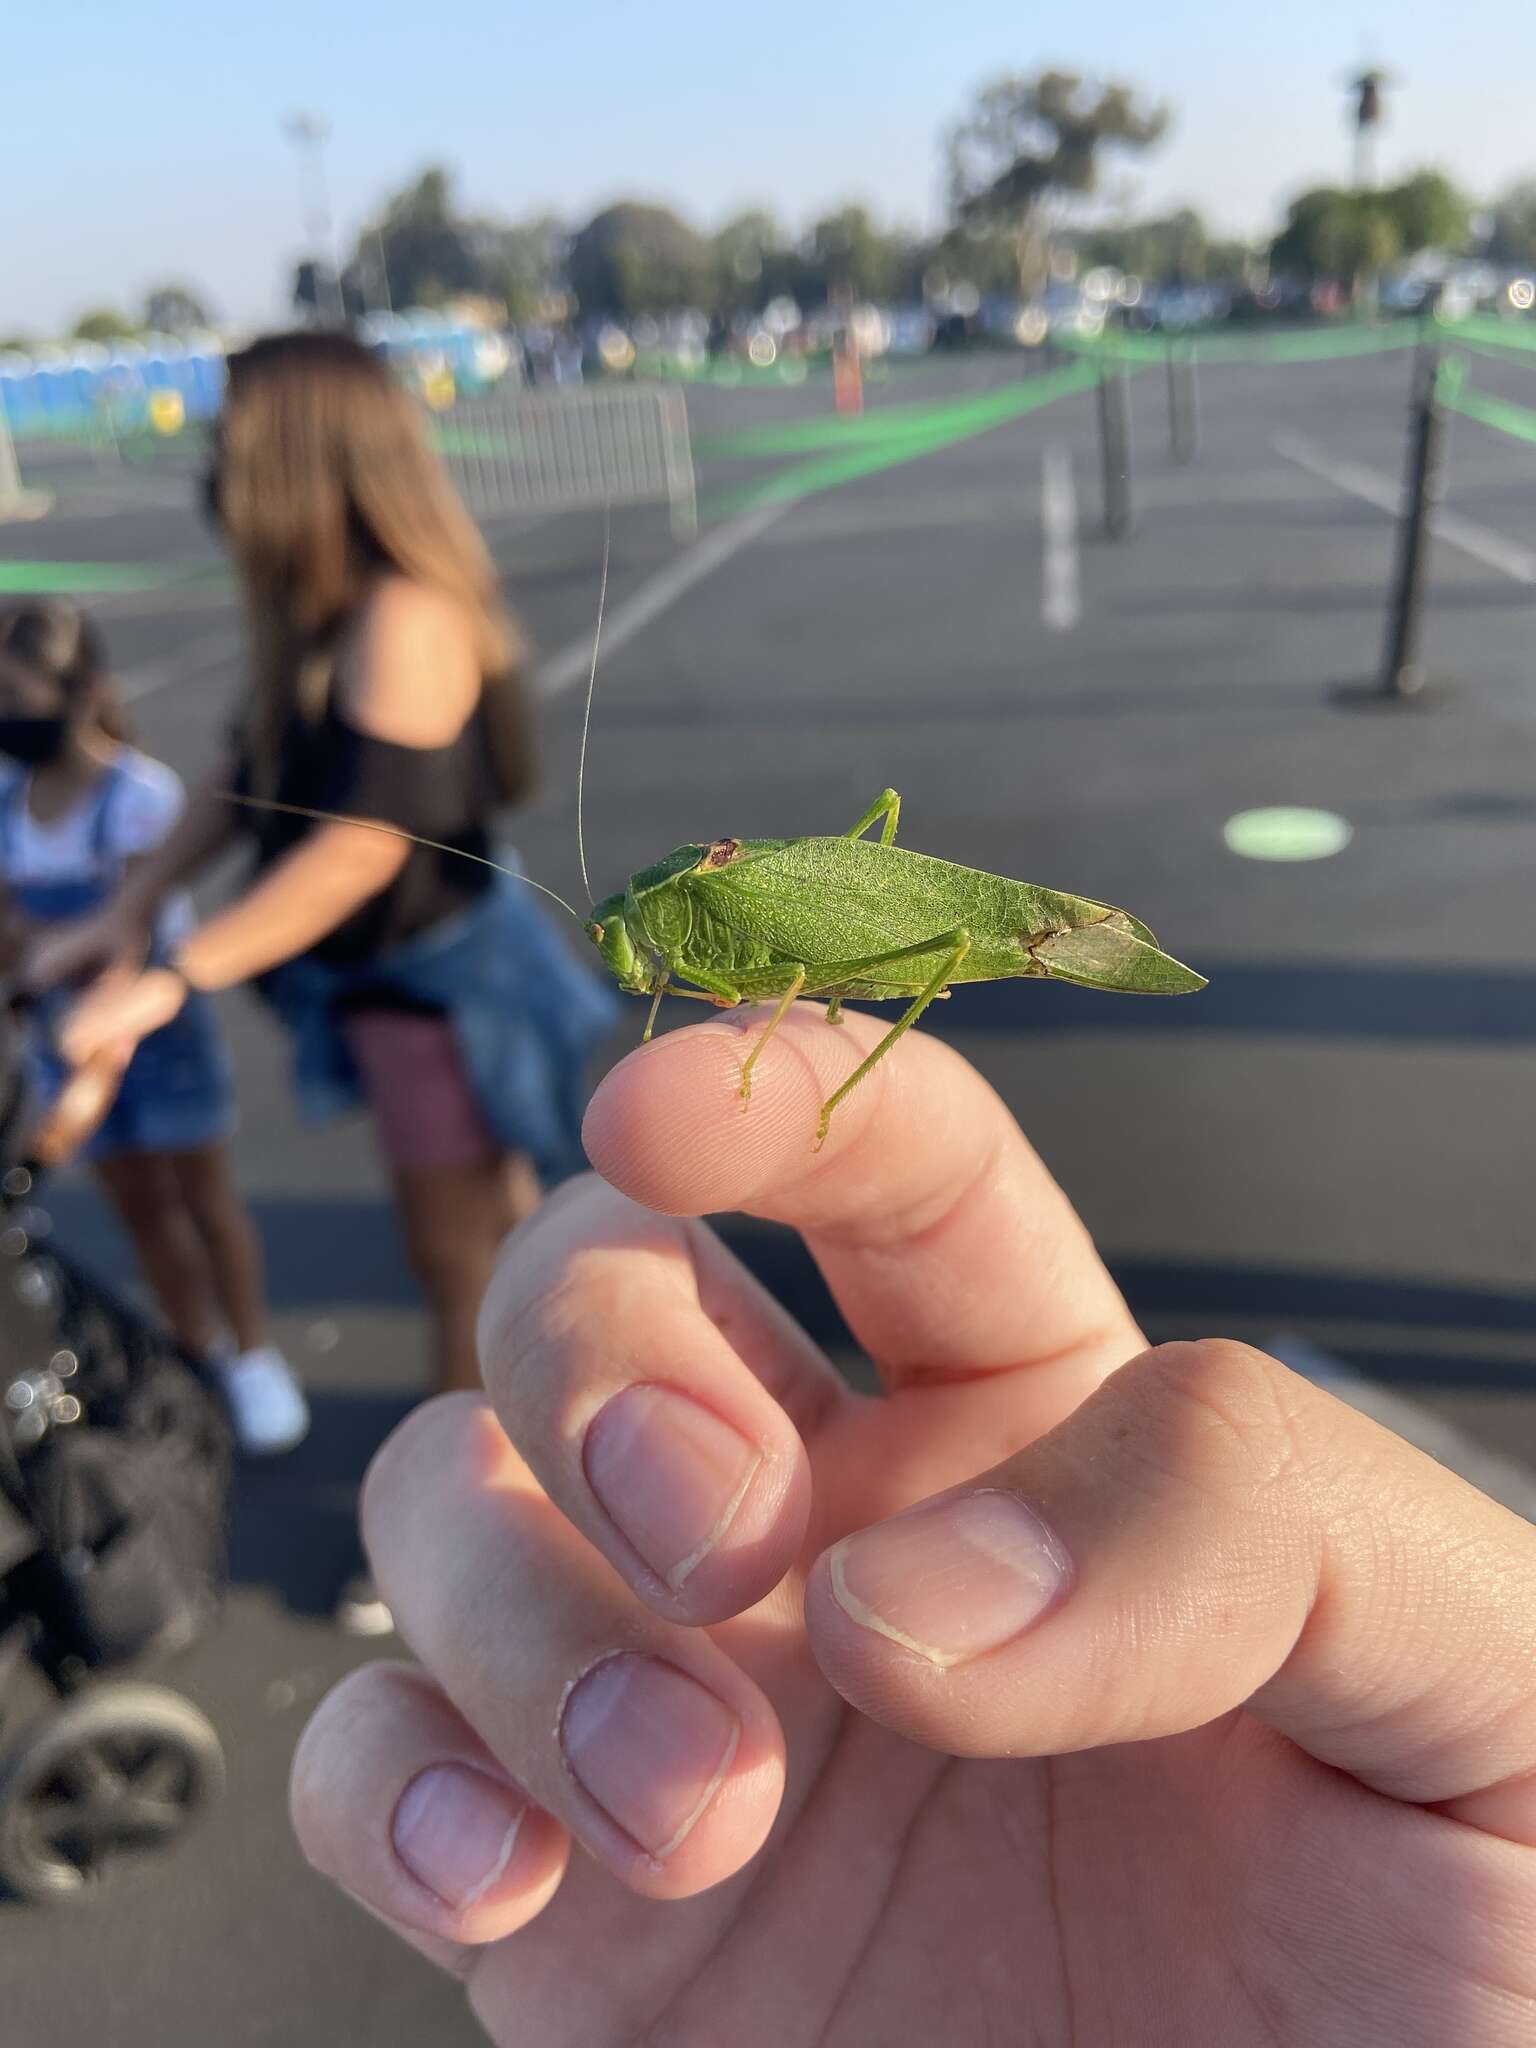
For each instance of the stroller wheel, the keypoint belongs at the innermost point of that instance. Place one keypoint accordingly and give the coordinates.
(118, 1771)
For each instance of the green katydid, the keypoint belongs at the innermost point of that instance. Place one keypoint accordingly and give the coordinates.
(849, 918)
(857, 919)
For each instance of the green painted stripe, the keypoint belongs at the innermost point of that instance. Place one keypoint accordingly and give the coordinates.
(1497, 351)
(807, 478)
(1519, 336)
(45, 579)
(891, 423)
(1298, 345)
(1499, 413)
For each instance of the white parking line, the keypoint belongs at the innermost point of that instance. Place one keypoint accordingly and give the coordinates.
(1061, 597)
(637, 611)
(1483, 545)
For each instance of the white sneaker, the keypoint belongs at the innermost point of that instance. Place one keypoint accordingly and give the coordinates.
(266, 1403)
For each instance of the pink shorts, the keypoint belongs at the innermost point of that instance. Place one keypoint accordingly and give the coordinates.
(414, 1076)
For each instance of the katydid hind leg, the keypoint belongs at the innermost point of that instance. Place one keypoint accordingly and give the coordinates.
(725, 995)
(886, 807)
(797, 983)
(713, 988)
(960, 943)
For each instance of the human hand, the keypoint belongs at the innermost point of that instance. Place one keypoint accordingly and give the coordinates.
(79, 1108)
(1196, 1709)
(117, 1010)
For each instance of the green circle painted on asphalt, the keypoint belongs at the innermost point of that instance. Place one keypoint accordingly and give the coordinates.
(1287, 832)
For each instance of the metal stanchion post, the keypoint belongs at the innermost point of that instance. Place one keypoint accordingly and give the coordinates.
(1171, 355)
(1115, 441)
(1402, 673)
(1183, 404)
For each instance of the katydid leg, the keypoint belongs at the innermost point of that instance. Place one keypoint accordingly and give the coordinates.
(886, 806)
(961, 942)
(773, 1024)
(713, 988)
(725, 995)
(835, 1010)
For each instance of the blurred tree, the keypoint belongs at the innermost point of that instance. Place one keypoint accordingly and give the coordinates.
(1513, 235)
(522, 264)
(1350, 235)
(104, 323)
(752, 261)
(1337, 234)
(850, 256)
(987, 258)
(1030, 146)
(1296, 250)
(17, 344)
(429, 250)
(1177, 249)
(1356, 238)
(175, 309)
(632, 259)
(1428, 212)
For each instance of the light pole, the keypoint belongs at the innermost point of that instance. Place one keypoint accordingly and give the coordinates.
(309, 133)
(1365, 111)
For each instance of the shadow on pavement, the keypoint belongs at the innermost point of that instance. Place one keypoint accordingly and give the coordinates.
(1167, 1296)
(1300, 596)
(1282, 999)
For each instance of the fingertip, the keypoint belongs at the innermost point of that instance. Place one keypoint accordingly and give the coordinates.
(479, 1859)
(676, 1775)
(881, 1679)
(669, 1126)
(708, 1501)
(643, 1122)
(394, 1798)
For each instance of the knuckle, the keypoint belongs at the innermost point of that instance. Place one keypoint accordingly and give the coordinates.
(426, 1452)
(1224, 1416)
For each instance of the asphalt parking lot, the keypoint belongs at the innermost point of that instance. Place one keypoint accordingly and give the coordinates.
(1334, 1140)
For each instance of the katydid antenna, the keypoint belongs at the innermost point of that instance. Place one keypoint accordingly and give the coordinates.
(586, 717)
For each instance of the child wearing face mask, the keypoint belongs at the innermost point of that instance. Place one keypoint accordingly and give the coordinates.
(78, 806)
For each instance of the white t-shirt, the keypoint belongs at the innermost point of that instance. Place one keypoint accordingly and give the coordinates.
(145, 803)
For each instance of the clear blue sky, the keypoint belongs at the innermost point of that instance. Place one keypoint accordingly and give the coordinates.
(143, 141)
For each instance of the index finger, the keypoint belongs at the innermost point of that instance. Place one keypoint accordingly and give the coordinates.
(948, 1246)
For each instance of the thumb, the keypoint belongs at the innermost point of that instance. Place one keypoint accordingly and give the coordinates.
(1207, 1531)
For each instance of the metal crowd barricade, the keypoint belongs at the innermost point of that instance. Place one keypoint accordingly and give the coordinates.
(541, 451)
(16, 502)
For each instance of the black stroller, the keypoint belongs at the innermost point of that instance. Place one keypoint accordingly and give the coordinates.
(114, 1474)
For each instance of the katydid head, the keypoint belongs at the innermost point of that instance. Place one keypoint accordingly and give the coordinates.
(608, 929)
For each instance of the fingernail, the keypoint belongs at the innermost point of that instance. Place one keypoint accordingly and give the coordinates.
(670, 1473)
(455, 1829)
(953, 1581)
(649, 1746)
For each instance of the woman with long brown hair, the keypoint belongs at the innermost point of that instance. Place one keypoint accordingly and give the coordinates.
(387, 688)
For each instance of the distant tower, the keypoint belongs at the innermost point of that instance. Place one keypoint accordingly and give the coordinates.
(1365, 111)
